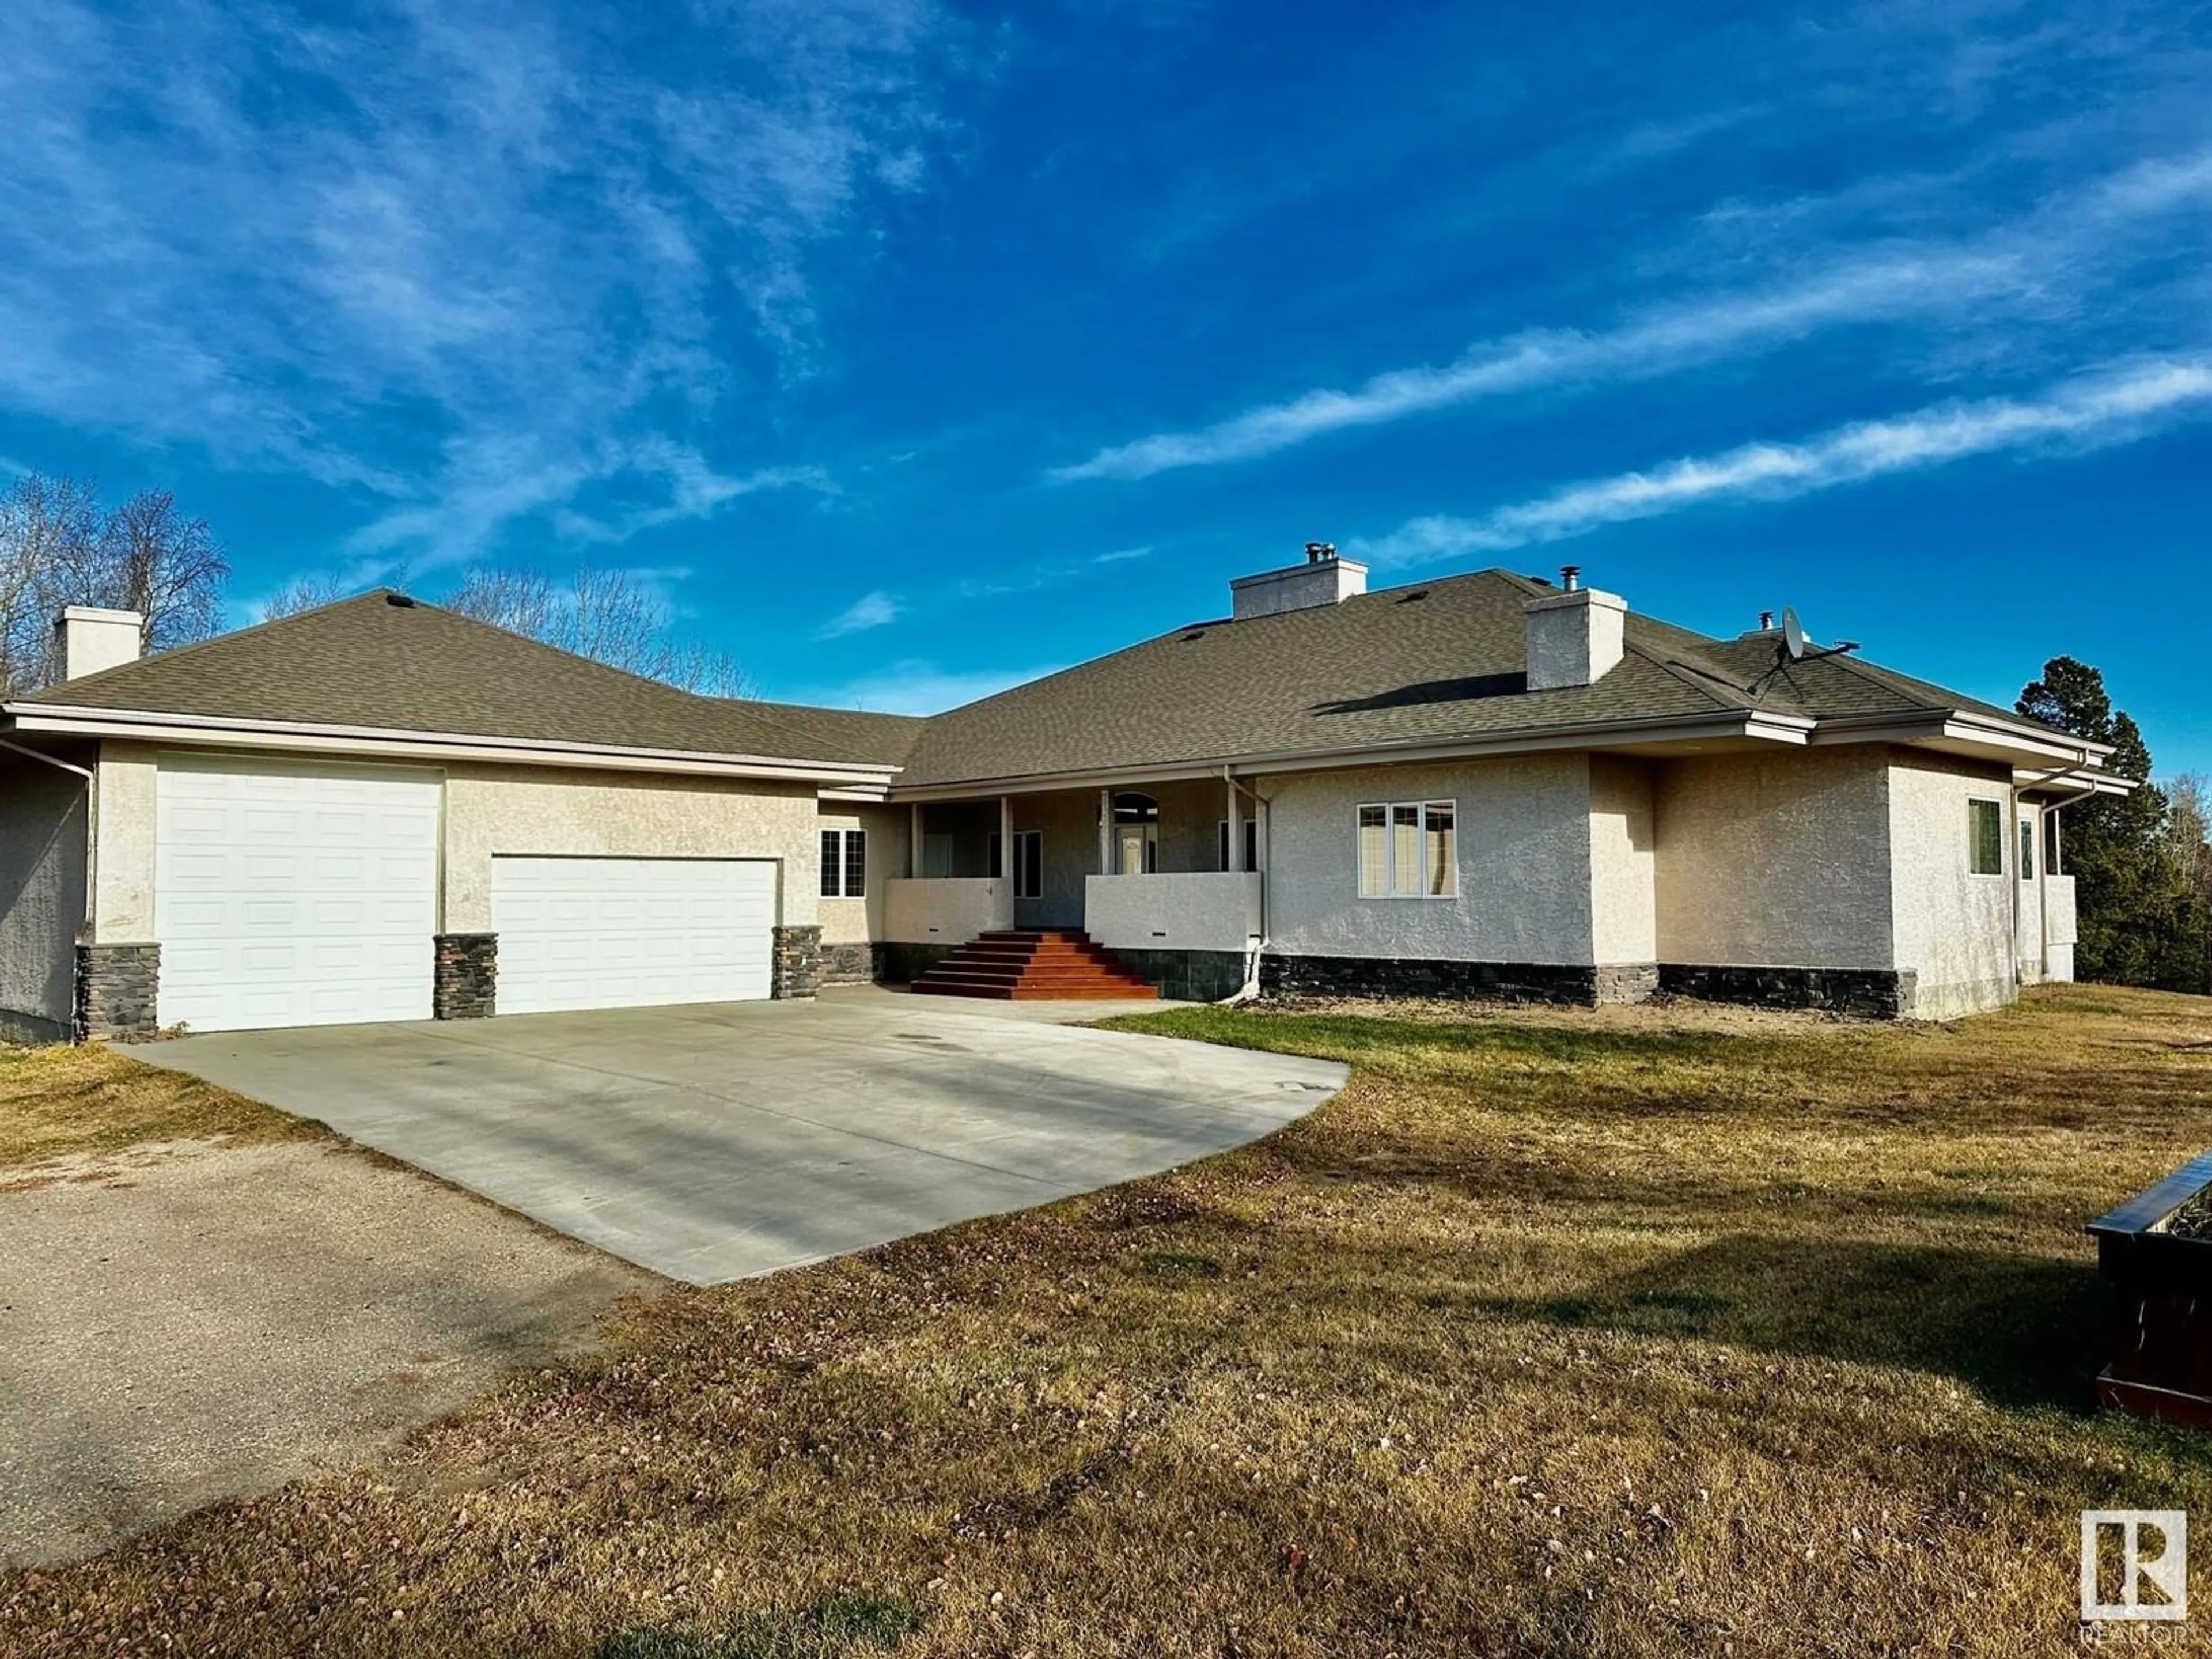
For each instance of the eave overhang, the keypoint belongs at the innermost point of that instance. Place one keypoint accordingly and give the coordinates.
(195, 731)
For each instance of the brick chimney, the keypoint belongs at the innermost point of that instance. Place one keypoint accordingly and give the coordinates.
(88, 639)
(1323, 579)
(1574, 635)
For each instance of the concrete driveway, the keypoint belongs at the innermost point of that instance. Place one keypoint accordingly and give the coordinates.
(719, 1140)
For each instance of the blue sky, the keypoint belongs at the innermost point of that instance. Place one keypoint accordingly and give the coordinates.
(909, 348)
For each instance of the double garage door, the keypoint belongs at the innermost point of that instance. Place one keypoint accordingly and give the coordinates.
(308, 895)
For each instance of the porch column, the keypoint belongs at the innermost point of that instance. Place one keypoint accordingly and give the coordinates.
(1236, 829)
(1007, 840)
(914, 839)
(1105, 832)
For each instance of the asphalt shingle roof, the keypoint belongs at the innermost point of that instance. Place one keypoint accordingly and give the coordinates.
(1432, 662)
(414, 667)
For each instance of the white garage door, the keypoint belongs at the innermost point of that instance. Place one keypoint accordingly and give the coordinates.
(294, 895)
(588, 932)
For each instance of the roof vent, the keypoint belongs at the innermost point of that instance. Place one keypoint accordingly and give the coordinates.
(402, 600)
(1323, 579)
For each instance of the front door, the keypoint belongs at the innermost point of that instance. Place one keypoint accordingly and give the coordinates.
(1136, 835)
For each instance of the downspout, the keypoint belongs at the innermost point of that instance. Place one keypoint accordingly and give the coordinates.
(1250, 989)
(2012, 839)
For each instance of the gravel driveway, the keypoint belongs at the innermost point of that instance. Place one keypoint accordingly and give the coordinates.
(183, 1324)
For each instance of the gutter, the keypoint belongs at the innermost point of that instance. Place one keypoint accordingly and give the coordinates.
(153, 726)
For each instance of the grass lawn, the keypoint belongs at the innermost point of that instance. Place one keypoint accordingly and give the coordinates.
(1629, 1333)
(62, 1102)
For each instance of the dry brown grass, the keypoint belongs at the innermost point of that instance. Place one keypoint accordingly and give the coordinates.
(63, 1102)
(1638, 1334)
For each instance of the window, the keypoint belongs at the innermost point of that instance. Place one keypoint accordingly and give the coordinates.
(1251, 842)
(2027, 849)
(1029, 862)
(844, 864)
(1985, 837)
(1409, 849)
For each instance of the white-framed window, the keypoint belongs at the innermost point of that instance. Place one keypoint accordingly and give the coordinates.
(1029, 862)
(1251, 842)
(1985, 837)
(1409, 849)
(844, 864)
(2027, 849)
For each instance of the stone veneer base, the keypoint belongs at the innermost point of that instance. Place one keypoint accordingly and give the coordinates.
(1187, 976)
(1412, 976)
(1865, 992)
(117, 989)
(853, 964)
(797, 969)
(465, 983)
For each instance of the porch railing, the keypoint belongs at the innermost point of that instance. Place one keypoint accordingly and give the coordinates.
(1207, 911)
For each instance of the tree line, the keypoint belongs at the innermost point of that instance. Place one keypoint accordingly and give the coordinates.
(61, 545)
(2142, 863)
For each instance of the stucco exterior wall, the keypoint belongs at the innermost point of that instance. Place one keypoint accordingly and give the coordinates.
(123, 865)
(548, 812)
(42, 896)
(1623, 862)
(1524, 864)
(1953, 928)
(860, 921)
(1776, 860)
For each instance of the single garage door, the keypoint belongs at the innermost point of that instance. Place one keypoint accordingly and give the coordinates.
(294, 895)
(587, 933)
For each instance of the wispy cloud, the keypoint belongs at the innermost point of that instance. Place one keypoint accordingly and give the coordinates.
(1124, 555)
(477, 265)
(869, 610)
(2090, 413)
(912, 686)
(2036, 265)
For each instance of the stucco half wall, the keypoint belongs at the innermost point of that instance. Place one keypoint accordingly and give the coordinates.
(552, 812)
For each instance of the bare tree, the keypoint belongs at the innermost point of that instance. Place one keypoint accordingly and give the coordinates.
(50, 533)
(167, 567)
(606, 614)
(58, 548)
(303, 593)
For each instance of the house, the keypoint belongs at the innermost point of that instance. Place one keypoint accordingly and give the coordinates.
(1481, 784)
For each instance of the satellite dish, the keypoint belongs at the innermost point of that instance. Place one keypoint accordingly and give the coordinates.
(1793, 634)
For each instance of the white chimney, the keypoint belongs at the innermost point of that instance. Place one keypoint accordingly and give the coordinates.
(88, 639)
(1574, 636)
(1323, 579)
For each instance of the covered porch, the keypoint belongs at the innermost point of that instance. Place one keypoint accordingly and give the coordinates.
(1168, 875)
